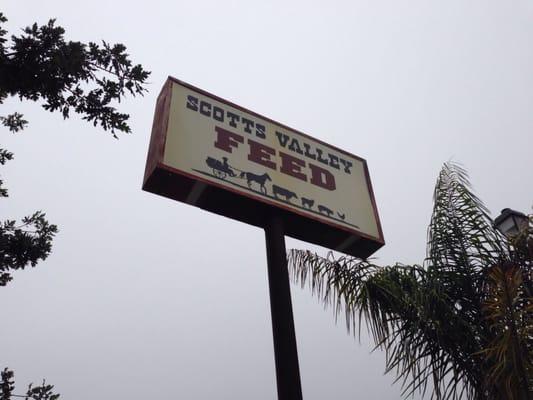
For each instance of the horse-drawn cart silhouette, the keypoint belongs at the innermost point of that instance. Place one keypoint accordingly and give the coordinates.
(221, 169)
(259, 179)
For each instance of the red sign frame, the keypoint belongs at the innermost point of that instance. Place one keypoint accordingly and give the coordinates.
(186, 187)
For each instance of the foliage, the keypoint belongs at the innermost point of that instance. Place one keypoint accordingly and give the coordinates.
(5, 156)
(508, 312)
(25, 244)
(67, 76)
(15, 122)
(461, 324)
(7, 386)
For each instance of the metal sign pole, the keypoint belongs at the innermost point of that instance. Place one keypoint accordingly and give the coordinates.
(285, 351)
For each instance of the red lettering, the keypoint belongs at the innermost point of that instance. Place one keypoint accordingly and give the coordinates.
(226, 139)
(321, 177)
(260, 154)
(292, 166)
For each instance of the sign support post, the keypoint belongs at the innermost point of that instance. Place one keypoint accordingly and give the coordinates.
(285, 350)
(216, 155)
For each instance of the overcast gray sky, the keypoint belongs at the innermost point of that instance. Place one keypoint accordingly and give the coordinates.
(144, 297)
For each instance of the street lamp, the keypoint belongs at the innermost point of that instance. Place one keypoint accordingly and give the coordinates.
(511, 222)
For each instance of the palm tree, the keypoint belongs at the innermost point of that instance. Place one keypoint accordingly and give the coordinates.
(459, 326)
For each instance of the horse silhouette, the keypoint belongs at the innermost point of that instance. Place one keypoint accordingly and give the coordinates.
(260, 179)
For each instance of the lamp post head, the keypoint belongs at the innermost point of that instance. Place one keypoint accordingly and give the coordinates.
(510, 222)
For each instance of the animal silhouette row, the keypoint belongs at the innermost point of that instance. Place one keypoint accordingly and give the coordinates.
(221, 169)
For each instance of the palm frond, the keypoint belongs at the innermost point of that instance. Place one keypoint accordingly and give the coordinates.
(402, 313)
(461, 238)
(432, 321)
(508, 309)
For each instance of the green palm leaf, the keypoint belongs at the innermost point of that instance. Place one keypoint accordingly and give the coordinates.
(436, 322)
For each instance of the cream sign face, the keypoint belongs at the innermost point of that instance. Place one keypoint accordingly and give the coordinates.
(205, 143)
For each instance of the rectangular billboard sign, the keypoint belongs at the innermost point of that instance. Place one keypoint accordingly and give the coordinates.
(221, 157)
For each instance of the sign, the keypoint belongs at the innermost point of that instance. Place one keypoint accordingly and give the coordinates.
(221, 157)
